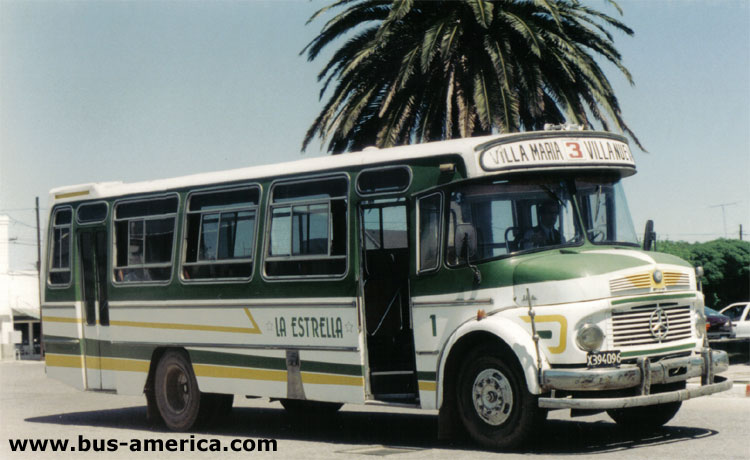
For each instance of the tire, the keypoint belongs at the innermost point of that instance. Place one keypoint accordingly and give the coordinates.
(645, 418)
(302, 406)
(176, 391)
(493, 401)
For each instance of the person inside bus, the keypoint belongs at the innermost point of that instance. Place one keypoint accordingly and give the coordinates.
(544, 234)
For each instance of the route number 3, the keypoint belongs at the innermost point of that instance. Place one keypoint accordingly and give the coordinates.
(576, 150)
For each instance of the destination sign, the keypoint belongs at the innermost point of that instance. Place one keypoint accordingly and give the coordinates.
(562, 151)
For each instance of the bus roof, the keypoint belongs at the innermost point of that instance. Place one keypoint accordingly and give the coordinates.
(482, 156)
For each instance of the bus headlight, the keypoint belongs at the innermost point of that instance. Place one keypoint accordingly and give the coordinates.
(700, 321)
(590, 337)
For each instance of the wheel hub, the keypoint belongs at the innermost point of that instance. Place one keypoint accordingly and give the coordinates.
(492, 396)
(177, 389)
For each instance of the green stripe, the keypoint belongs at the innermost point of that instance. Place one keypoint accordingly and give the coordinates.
(331, 368)
(545, 334)
(105, 349)
(651, 298)
(265, 362)
(68, 348)
(630, 354)
(427, 376)
(237, 360)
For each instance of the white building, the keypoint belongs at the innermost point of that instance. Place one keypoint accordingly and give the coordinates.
(19, 305)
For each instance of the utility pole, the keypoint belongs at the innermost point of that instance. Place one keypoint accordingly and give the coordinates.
(740, 232)
(39, 276)
(723, 214)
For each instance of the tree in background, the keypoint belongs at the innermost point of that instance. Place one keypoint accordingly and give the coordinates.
(726, 264)
(416, 71)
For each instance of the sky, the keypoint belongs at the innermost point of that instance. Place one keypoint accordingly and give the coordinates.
(95, 91)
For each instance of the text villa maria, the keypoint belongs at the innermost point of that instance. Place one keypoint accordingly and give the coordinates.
(557, 151)
(307, 326)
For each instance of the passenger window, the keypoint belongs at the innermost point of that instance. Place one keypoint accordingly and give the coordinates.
(59, 265)
(220, 234)
(91, 213)
(144, 239)
(385, 224)
(429, 210)
(308, 229)
(386, 180)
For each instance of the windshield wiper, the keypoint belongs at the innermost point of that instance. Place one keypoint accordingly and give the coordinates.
(598, 202)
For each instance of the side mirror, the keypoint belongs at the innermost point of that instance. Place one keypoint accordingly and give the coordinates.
(649, 236)
(465, 241)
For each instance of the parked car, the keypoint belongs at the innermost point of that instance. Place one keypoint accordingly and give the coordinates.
(739, 313)
(717, 325)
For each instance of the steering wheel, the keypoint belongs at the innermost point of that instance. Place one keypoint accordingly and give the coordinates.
(516, 231)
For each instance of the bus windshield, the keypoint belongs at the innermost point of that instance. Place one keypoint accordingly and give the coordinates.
(605, 211)
(510, 216)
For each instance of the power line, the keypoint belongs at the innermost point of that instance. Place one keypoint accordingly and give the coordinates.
(723, 214)
(21, 209)
(19, 222)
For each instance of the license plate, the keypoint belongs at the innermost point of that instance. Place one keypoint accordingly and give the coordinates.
(603, 359)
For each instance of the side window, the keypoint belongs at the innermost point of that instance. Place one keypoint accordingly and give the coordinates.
(429, 221)
(385, 224)
(392, 179)
(144, 239)
(220, 234)
(91, 213)
(60, 250)
(734, 313)
(308, 235)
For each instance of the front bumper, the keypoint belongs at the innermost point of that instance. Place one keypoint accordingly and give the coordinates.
(642, 375)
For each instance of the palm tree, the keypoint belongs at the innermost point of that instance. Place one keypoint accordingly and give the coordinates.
(415, 71)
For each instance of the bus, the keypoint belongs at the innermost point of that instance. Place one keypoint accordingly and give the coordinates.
(491, 279)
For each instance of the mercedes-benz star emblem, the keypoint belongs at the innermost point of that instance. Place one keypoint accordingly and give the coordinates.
(658, 324)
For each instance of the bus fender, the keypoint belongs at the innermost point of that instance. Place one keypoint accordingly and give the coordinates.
(514, 336)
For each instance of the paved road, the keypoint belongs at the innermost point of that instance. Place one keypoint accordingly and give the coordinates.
(33, 406)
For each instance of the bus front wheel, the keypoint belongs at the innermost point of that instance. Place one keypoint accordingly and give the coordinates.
(494, 403)
(176, 391)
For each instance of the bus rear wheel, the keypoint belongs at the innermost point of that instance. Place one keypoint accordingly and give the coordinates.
(176, 391)
(494, 403)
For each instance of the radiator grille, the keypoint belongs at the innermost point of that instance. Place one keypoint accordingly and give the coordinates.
(634, 325)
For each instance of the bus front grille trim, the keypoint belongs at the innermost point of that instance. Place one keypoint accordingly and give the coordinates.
(651, 324)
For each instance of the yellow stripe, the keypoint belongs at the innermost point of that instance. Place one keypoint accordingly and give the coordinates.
(187, 327)
(328, 379)
(563, 330)
(209, 370)
(61, 319)
(255, 329)
(641, 281)
(94, 362)
(427, 385)
(60, 196)
(116, 364)
(64, 360)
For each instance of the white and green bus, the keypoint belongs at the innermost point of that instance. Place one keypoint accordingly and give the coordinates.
(492, 279)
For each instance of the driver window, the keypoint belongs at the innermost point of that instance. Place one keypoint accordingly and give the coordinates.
(429, 211)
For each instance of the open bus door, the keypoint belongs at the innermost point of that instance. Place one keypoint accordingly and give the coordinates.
(384, 230)
(92, 246)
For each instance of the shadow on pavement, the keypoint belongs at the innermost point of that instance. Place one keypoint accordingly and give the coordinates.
(389, 429)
